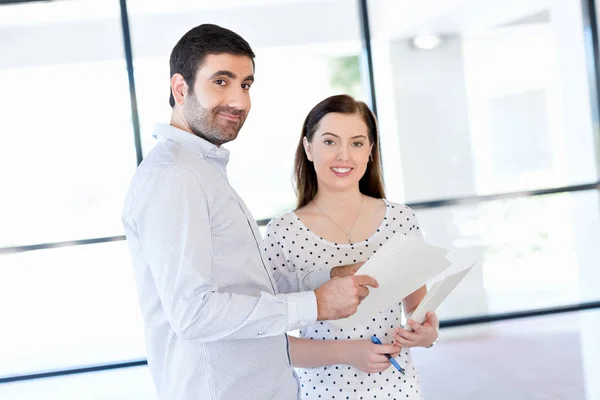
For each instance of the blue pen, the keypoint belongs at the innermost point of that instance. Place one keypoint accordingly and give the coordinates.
(375, 340)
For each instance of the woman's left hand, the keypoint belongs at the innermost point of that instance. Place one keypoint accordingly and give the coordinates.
(423, 335)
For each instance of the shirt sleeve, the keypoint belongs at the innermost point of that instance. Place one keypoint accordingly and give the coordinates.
(167, 222)
(413, 221)
(289, 277)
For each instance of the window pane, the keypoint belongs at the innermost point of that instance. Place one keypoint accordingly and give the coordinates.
(296, 68)
(538, 252)
(496, 101)
(67, 150)
(118, 384)
(68, 307)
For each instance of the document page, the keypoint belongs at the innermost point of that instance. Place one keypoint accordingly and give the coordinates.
(438, 292)
(401, 266)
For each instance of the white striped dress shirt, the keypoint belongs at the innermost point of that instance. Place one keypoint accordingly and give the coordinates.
(215, 319)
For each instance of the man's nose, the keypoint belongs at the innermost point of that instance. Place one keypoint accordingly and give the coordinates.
(239, 99)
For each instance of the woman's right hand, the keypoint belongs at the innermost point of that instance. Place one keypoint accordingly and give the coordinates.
(368, 356)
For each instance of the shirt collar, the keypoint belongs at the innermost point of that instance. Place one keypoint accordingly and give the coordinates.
(200, 146)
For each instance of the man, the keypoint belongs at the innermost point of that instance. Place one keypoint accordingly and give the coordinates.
(215, 322)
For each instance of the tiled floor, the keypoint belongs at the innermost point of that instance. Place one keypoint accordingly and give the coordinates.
(553, 357)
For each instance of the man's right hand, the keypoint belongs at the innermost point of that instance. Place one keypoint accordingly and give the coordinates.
(340, 297)
(346, 270)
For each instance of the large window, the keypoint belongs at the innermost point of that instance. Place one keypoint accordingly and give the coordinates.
(68, 307)
(493, 99)
(537, 252)
(67, 145)
(66, 157)
(483, 97)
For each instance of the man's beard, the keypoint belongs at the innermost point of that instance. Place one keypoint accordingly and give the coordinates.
(205, 123)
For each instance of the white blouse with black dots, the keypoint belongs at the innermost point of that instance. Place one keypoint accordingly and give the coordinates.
(290, 245)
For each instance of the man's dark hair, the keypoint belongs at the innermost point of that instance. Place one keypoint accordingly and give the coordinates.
(189, 52)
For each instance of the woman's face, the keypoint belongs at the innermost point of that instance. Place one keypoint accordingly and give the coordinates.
(339, 150)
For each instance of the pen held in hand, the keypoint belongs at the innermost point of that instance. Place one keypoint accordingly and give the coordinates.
(375, 340)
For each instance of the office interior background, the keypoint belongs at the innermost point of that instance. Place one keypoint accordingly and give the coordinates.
(488, 113)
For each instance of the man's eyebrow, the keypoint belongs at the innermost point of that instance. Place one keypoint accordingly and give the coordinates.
(223, 72)
(231, 75)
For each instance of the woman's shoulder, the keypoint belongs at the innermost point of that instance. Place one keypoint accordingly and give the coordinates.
(398, 207)
(402, 217)
(401, 213)
(392, 207)
(281, 222)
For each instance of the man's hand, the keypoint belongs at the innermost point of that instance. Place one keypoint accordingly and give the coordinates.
(346, 270)
(340, 297)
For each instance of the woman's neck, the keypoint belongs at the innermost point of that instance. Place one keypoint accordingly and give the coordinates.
(338, 202)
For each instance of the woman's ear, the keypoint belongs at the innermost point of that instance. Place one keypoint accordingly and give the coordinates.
(307, 148)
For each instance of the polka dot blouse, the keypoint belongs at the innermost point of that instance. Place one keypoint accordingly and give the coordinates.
(291, 245)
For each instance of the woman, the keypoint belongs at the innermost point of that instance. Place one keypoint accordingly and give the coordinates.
(343, 218)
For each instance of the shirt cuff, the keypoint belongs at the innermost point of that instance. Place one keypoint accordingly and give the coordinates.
(318, 277)
(302, 309)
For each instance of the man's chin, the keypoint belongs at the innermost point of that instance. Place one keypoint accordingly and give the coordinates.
(227, 136)
(230, 132)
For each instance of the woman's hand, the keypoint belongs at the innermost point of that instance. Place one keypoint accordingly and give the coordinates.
(368, 356)
(423, 335)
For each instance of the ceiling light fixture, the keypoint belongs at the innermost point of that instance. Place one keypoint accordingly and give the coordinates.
(426, 41)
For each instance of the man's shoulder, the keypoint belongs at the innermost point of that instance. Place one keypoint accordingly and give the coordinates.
(163, 168)
(169, 159)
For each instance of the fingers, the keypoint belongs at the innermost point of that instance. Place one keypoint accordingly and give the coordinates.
(365, 280)
(386, 349)
(415, 326)
(402, 342)
(378, 359)
(403, 333)
(379, 367)
(375, 368)
(432, 319)
(363, 292)
(403, 338)
(355, 267)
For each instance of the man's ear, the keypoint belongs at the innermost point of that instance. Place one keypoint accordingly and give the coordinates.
(179, 88)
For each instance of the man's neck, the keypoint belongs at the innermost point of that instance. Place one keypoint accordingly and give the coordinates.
(178, 122)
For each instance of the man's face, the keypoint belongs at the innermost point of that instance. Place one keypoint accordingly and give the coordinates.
(219, 103)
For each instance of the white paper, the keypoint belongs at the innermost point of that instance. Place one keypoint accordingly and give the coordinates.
(401, 266)
(438, 292)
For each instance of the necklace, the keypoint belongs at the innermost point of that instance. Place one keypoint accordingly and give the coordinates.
(348, 234)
